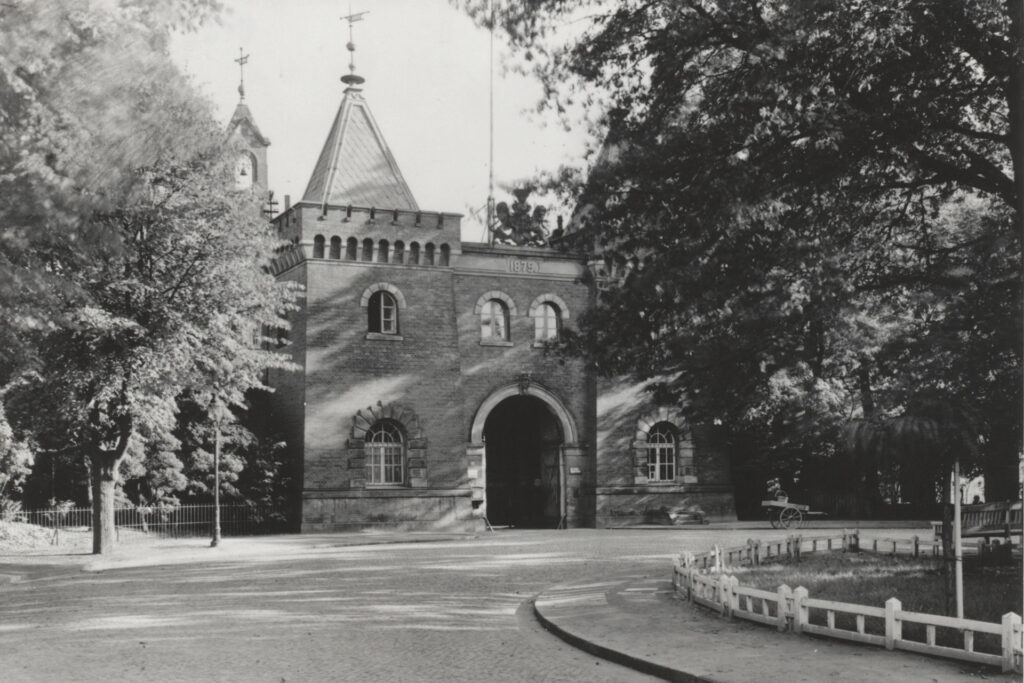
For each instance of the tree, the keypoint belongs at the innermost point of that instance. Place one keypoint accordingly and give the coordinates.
(814, 207)
(129, 268)
(15, 459)
(87, 93)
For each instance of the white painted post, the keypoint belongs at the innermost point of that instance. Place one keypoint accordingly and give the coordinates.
(784, 596)
(716, 553)
(957, 541)
(725, 595)
(1011, 635)
(893, 624)
(800, 610)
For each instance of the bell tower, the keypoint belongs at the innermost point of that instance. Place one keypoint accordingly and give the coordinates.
(250, 166)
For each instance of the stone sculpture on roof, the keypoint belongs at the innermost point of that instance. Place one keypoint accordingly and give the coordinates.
(518, 225)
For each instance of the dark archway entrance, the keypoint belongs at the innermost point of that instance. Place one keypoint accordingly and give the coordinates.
(523, 440)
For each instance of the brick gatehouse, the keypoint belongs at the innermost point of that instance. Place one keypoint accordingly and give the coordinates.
(428, 397)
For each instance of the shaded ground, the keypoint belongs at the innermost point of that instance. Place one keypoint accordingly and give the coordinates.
(317, 608)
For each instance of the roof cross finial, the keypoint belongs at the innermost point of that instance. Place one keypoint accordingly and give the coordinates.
(351, 79)
(242, 60)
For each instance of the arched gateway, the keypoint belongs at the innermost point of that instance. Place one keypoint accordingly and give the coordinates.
(519, 437)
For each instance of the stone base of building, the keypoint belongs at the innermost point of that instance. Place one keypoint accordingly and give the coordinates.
(398, 509)
(668, 505)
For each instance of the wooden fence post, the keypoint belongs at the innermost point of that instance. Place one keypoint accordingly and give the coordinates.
(689, 583)
(893, 624)
(846, 542)
(917, 545)
(725, 595)
(800, 610)
(856, 540)
(784, 596)
(799, 540)
(716, 554)
(1011, 636)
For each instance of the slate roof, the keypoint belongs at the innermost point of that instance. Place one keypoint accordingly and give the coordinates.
(355, 166)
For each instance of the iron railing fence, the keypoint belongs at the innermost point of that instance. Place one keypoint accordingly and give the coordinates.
(135, 524)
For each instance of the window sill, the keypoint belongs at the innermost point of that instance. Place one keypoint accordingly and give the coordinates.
(379, 336)
(495, 342)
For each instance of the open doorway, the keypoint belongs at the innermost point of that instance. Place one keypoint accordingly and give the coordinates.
(523, 441)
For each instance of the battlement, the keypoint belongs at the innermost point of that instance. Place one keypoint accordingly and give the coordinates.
(368, 234)
(305, 220)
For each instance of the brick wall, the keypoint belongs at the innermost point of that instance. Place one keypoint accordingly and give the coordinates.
(624, 498)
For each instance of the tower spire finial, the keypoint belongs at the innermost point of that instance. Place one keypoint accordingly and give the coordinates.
(351, 79)
(242, 60)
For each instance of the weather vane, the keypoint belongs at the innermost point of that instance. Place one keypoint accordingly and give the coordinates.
(351, 78)
(242, 60)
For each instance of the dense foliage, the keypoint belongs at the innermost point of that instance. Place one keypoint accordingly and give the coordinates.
(132, 274)
(810, 217)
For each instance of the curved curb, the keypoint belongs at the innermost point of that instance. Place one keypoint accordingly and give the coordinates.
(623, 658)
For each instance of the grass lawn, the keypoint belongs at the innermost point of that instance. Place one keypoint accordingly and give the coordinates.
(870, 579)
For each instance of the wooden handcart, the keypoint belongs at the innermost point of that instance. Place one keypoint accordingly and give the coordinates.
(784, 515)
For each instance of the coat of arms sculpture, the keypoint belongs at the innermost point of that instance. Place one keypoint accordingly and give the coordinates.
(518, 225)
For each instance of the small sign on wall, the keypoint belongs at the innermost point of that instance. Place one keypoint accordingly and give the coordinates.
(575, 470)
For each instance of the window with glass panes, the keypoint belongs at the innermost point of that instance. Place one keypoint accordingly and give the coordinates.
(494, 320)
(546, 322)
(661, 453)
(384, 454)
(383, 313)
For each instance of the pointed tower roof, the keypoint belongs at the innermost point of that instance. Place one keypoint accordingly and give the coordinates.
(356, 166)
(243, 120)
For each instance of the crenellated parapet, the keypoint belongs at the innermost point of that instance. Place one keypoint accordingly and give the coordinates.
(371, 234)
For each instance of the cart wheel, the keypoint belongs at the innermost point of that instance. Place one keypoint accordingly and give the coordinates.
(790, 517)
(773, 517)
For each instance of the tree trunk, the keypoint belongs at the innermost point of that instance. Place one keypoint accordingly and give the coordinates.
(104, 478)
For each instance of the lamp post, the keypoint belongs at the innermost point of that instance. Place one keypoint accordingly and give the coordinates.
(216, 484)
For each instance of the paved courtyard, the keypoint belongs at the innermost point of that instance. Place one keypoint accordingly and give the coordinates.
(318, 608)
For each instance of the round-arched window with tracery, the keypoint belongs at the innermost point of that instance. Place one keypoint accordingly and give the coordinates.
(385, 454)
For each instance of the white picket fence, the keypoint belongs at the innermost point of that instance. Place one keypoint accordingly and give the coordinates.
(703, 578)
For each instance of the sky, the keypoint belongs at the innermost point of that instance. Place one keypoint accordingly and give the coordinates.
(426, 68)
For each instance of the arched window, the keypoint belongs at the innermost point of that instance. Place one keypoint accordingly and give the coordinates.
(494, 321)
(382, 313)
(414, 253)
(547, 322)
(336, 247)
(352, 249)
(385, 454)
(367, 249)
(445, 255)
(382, 251)
(661, 452)
(428, 254)
(318, 246)
(399, 253)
